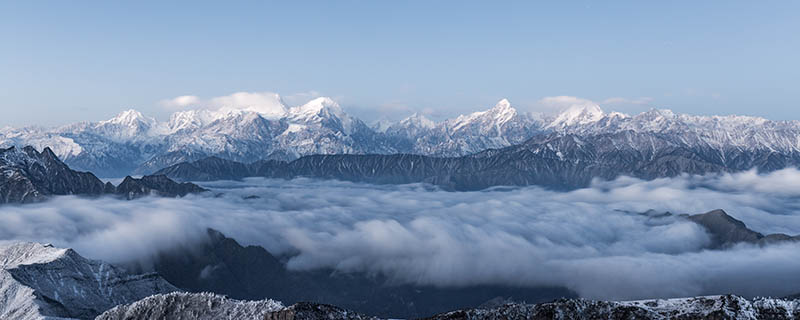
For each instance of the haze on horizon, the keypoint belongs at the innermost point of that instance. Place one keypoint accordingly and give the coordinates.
(69, 62)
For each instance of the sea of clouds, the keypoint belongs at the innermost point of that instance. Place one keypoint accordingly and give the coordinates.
(595, 241)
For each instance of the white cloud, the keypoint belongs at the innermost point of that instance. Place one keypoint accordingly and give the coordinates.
(556, 104)
(180, 102)
(590, 240)
(560, 103)
(268, 104)
(265, 103)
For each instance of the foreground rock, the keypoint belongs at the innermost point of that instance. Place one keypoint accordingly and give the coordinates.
(190, 306)
(27, 176)
(712, 307)
(209, 306)
(38, 281)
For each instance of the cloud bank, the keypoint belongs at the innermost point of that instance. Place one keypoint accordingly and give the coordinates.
(593, 240)
(269, 104)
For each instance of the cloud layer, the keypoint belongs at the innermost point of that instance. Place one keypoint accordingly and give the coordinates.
(268, 104)
(592, 240)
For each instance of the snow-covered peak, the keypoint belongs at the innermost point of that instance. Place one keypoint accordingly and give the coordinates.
(191, 119)
(381, 125)
(318, 106)
(580, 114)
(129, 124)
(24, 253)
(130, 118)
(418, 120)
(502, 104)
(501, 113)
(322, 109)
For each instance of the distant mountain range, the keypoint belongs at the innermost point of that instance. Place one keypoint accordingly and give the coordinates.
(557, 161)
(132, 143)
(27, 175)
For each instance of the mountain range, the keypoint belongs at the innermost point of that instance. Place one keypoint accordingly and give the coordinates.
(556, 161)
(133, 143)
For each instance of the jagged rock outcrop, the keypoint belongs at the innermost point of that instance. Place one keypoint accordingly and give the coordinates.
(27, 175)
(160, 185)
(38, 281)
(727, 231)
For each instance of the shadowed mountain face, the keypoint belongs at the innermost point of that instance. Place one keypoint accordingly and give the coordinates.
(554, 161)
(223, 266)
(27, 176)
(726, 231)
(155, 184)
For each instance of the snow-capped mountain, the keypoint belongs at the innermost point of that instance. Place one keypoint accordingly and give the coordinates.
(39, 281)
(498, 127)
(134, 143)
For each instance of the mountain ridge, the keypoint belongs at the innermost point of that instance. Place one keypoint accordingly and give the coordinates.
(27, 176)
(557, 161)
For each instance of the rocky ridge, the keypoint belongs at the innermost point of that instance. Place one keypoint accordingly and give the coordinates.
(27, 176)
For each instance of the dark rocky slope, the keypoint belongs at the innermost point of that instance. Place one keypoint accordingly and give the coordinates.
(726, 231)
(554, 161)
(223, 266)
(27, 175)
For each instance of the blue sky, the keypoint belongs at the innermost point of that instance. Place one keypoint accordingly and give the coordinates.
(65, 61)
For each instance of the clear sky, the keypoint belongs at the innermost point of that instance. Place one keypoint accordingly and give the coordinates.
(65, 61)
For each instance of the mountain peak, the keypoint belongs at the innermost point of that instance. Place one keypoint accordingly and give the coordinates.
(323, 111)
(320, 107)
(130, 117)
(319, 104)
(577, 115)
(418, 120)
(503, 104)
(24, 253)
